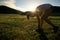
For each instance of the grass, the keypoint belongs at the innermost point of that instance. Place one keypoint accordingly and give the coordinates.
(17, 27)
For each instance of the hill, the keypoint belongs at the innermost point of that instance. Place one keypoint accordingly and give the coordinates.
(8, 10)
(56, 11)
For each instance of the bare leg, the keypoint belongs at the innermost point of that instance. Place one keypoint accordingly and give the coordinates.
(55, 28)
(40, 30)
(41, 21)
(44, 16)
(49, 22)
(38, 20)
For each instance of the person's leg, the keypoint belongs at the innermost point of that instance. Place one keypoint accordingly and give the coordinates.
(40, 29)
(40, 21)
(45, 17)
(55, 28)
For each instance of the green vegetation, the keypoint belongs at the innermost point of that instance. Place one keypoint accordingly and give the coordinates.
(17, 27)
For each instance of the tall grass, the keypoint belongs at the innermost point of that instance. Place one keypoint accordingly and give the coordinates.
(17, 27)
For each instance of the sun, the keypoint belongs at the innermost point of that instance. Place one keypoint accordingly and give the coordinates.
(31, 7)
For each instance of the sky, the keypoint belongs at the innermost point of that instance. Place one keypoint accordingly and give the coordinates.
(27, 5)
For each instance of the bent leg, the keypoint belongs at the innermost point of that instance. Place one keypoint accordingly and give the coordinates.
(40, 24)
(40, 21)
(49, 22)
(40, 29)
(45, 17)
(55, 28)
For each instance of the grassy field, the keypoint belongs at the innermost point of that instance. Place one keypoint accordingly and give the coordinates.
(17, 27)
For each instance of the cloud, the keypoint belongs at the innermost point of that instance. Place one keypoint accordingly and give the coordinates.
(10, 3)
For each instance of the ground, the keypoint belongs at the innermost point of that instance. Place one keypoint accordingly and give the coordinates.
(17, 27)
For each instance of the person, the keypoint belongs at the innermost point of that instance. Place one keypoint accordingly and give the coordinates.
(45, 10)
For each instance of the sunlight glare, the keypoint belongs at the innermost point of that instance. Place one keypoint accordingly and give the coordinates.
(32, 7)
